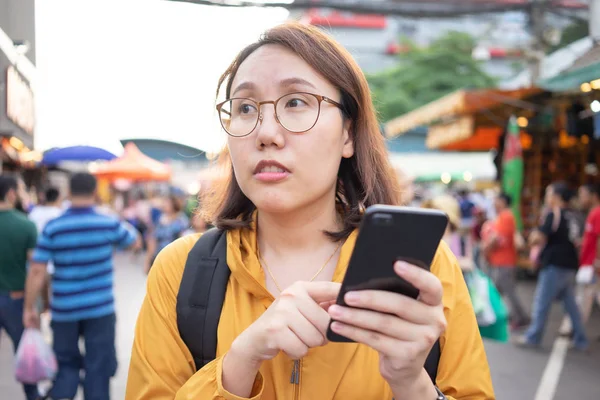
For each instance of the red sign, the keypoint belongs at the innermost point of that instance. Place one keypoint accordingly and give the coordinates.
(337, 19)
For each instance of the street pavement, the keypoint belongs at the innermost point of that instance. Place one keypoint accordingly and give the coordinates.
(516, 372)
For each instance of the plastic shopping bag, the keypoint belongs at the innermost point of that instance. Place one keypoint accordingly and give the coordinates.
(585, 275)
(479, 289)
(491, 313)
(35, 361)
(499, 330)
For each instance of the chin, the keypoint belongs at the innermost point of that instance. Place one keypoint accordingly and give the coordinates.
(280, 198)
(275, 204)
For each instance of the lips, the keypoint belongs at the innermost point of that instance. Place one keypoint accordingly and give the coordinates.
(270, 166)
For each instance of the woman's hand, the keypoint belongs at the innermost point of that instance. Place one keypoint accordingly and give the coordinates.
(401, 329)
(294, 323)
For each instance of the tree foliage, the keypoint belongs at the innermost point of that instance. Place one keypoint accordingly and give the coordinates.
(426, 74)
(572, 33)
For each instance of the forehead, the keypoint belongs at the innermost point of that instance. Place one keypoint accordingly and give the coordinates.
(276, 67)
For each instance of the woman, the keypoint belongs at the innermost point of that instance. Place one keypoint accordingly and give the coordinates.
(304, 167)
(171, 226)
(558, 268)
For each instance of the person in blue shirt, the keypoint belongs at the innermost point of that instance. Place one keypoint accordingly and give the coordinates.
(81, 244)
(171, 225)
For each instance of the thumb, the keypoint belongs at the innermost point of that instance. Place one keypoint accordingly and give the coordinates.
(322, 292)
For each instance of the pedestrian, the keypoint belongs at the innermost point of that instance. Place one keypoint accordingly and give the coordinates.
(17, 241)
(80, 243)
(498, 244)
(589, 260)
(171, 226)
(559, 264)
(44, 213)
(307, 157)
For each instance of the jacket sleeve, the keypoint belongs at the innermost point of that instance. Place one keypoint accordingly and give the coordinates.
(463, 371)
(161, 365)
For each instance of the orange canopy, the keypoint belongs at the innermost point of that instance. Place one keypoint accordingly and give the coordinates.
(133, 165)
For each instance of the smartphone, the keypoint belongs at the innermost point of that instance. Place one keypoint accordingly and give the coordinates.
(388, 234)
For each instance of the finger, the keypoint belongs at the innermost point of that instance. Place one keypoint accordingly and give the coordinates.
(314, 313)
(375, 340)
(305, 330)
(323, 291)
(326, 304)
(391, 303)
(290, 344)
(429, 285)
(387, 324)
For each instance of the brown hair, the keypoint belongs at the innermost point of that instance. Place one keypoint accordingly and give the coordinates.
(365, 179)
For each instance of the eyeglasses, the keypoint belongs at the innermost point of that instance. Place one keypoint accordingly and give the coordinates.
(297, 112)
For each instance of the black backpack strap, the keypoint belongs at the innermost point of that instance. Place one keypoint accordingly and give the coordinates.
(201, 295)
(433, 360)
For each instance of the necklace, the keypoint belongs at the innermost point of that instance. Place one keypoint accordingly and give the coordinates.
(312, 279)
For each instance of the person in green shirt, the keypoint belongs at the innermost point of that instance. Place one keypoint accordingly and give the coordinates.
(17, 239)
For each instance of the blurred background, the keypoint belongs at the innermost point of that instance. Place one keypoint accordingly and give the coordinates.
(464, 88)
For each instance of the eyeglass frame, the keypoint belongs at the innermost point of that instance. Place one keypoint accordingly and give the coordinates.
(319, 97)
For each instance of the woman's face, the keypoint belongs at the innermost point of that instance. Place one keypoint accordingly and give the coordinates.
(310, 160)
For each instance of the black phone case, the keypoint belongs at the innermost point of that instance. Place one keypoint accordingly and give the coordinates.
(388, 234)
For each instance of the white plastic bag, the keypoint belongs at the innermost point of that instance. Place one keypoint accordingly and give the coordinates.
(585, 275)
(479, 289)
(35, 361)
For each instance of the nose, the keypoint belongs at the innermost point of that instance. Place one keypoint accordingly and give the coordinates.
(268, 131)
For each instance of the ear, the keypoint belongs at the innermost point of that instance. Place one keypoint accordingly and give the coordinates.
(348, 149)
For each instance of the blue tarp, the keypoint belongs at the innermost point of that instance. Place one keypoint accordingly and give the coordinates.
(76, 153)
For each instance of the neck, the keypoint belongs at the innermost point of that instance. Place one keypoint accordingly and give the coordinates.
(300, 230)
(82, 202)
(4, 205)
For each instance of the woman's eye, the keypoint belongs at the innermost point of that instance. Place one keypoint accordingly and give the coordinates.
(295, 103)
(246, 108)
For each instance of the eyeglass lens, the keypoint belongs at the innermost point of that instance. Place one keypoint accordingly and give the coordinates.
(297, 112)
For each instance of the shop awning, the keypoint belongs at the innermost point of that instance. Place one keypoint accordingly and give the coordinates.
(133, 165)
(456, 104)
(586, 69)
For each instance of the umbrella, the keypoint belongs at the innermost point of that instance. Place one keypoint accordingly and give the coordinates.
(76, 153)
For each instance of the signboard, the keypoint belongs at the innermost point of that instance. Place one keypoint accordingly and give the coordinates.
(19, 101)
(443, 134)
(338, 19)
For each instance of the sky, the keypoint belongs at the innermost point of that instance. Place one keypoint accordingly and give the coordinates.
(117, 69)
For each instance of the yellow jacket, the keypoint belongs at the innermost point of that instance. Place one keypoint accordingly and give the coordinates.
(163, 368)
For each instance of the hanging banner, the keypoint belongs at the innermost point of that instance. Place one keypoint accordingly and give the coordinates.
(512, 168)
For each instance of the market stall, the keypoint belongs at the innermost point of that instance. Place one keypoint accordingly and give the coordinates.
(134, 166)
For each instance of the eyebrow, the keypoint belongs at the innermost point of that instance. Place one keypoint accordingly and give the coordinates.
(284, 83)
